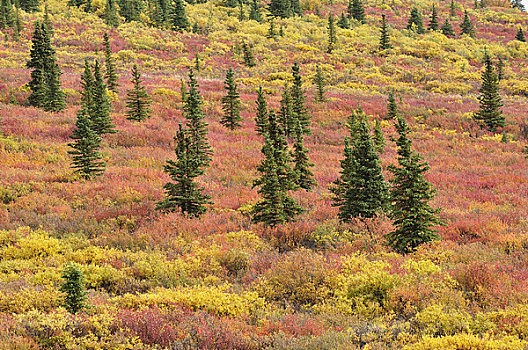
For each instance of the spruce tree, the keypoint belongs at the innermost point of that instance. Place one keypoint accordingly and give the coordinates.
(295, 7)
(280, 8)
(343, 22)
(447, 29)
(319, 83)
(285, 113)
(99, 111)
(249, 60)
(179, 20)
(36, 62)
(17, 26)
(196, 126)
(518, 4)
(350, 9)
(87, 84)
(379, 139)
(184, 193)
(410, 194)
(303, 175)
(110, 74)
(47, 21)
(183, 90)
(231, 102)
(452, 8)
(241, 14)
(489, 99)
(299, 110)
(276, 205)
(520, 35)
(500, 69)
(110, 14)
(392, 107)
(138, 101)
(7, 17)
(433, 23)
(466, 26)
(271, 30)
(29, 5)
(385, 43)
(261, 118)
(332, 39)
(415, 22)
(361, 191)
(86, 157)
(254, 13)
(74, 289)
(197, 61)
(358, 11)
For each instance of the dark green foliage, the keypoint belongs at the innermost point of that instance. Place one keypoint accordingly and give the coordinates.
(361, 190)
(47, 21)
(73, 286)
(415, 22)
(452, 8)
(110, 74)
(299, 111)
(303, 175)
(343, 22)
(392, 107)
(332, 39)
(183, 91)
(110, 14)
(319, 83)
(276, 180)
(7, 16)
(249, 60)
(466, 26)
(447, 29)
(45, 75)
(379, 139)
(196, 126)
(86, 157)
(197, 61)
(520, 35)
(500, 69)
(99, 111)
(285, 114)
(518, 4)
(131, 9)
(231, 102)
(358, 11)
(261, 118)
(17, 26)
(271, 30)
(241, 14)
(161, 11)
(29, 5)
(179, 20)
(410, 194)
(284, 8)
(489, 99)
(385, 43)
(87, 84)
(433, 23)
(281, 30)
(254, 12)
(138, 101)
(184, 193)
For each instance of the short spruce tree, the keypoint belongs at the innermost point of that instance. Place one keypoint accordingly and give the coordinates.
(74, 289)
(179, 19)
(447, 29)
(299, 111)
(319, 82)
(520, 35)
(138, 101)
(489, 99)
(231, 102)
(415, 22)
(358, 11)
(433, 23)
(261, 118)
(466, 27)
(332, 39)
(385, 42)
(303, 174)
(110, 74)
(99, 111)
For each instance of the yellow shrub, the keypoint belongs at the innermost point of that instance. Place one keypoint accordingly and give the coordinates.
(468, 342)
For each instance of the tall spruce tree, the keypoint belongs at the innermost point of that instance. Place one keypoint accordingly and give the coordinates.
(249, 60)
(343, 22)
(385, 42)
(489, 99)
(303, 175)
(332, 38)
(73, 288)
(361, 191)
(520, 35)
(447, 29)
(184, 193)
(277, 179)
(17, 25)
(138, 101)
(110, 14)
(319, 82)
(415, 22)
(285, 113)
(358, 11)
(452, 8)
(280, 8)
(392, 107)
(254, 12)
(231, 102)
(87, 84)
(7, 17)
(261, 118)
(410, 194)
(299, 110)
(99, 111)
(433, 23)
(179, 19)
(466, 26)
(379, 139)
(110, 74)
(196, 126)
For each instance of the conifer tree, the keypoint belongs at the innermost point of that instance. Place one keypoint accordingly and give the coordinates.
(196, 126)
(452, 8)
(179, 17)
(29, 5)
(271, 30)
(280, 8)
(385, 43)
(276, 205)
(74, 289)
(332, 39)
(99, 111)
(319, 83)
(379, 139)
(303, 175)
(261, 118)
(37, 63)
(299, 111)
(110, 14)
(241, 14)
(183, 90)
(110, 74)
(350, 9)
(47, 21)
(520, 35)
(87, 84)
(249, 60)
(55, 98)
(361, 191)
(433, 24)
(447, 29)
(231, 102)
(500, 69)
(254, 13)
(343, 22)
(197, 61)
(392, 107)
(138, 101)
(518, 4)
(466, 26)
(295, 7)
(489, 99)
(184, 193)
(6, 14)
(17, 25)
(358, 11)
(86, 157)
(415, 22)
(410, 194)
(285, 113)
